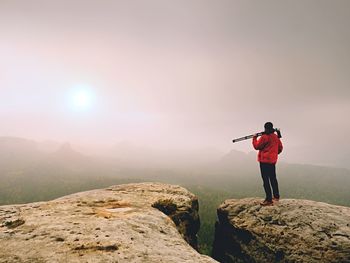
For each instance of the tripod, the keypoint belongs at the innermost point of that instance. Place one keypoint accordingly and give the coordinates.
(258, 134)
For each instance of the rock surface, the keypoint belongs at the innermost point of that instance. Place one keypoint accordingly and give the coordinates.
(117, 224)
(291, 231)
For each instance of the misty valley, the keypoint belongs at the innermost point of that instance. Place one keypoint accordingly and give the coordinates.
(32, 171)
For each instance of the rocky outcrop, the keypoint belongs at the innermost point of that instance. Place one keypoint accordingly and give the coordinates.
(123, 223)
(291, 231)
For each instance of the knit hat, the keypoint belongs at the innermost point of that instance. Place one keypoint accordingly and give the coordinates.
(269, 127)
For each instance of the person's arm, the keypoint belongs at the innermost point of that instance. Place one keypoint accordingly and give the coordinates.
(280, 146)
(259, 144)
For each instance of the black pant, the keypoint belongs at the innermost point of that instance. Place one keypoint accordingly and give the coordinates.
(268, 174)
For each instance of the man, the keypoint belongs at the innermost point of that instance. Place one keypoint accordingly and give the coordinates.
(269, 146)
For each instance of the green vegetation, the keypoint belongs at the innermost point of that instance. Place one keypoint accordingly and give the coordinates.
(209, 200)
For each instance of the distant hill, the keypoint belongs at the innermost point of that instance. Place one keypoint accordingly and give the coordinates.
(66, 156)
(28, 173)
(17, 153)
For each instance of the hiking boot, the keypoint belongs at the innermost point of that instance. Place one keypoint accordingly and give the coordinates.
(275, 199)
(266, 203)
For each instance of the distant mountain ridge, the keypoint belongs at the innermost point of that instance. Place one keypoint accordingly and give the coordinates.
(18, 153)
(26, 170)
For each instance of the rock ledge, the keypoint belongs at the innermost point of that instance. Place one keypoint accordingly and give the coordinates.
(116, 224)
(291, 231)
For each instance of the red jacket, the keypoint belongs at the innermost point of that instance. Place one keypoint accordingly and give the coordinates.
(269, 146)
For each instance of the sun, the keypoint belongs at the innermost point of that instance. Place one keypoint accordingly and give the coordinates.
(82, 98)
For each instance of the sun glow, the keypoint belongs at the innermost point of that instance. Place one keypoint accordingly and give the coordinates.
(82, 98)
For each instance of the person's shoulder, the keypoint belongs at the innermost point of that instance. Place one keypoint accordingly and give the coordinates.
(265, 136)
(275, 136)
(270, 136)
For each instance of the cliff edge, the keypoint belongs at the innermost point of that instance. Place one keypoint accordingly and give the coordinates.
(291, 231)
(146, 222)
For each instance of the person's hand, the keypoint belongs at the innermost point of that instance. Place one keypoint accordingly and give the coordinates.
(255, 135)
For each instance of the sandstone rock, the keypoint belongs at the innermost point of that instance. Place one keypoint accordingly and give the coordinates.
(117, 224)
(292, 231)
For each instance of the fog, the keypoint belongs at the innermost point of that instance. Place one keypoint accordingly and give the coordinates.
(178, 75)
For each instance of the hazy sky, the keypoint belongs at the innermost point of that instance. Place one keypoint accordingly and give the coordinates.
(178, 73)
